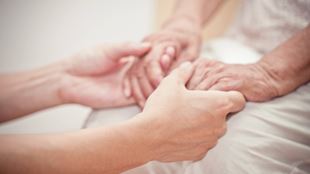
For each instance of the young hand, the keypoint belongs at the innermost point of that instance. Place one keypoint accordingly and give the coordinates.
(94, 77)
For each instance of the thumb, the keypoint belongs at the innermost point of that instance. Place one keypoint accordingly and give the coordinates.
(182, 74)
(119, 51)
(237, 101)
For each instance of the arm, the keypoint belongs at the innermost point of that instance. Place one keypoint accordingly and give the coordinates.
(88, 78)
(288, 65)
(279, 72)
(105, 150)
(198, 12)
(167, 130)
(24, 93)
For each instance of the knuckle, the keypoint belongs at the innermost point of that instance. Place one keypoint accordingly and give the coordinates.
(221, 131)
(224, 102)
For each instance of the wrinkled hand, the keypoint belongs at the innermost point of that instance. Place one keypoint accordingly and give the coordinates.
(250, 79)
(185, 124)
(94, 77)
(178, 42)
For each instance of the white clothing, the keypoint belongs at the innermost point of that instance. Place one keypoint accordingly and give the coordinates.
(270, 137)
(264, 24)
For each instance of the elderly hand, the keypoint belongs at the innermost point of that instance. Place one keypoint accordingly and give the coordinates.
(184, 124)
(94, 77)
(253, 81)
(178, 41)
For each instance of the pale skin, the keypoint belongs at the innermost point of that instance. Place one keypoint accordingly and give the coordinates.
(279, 72)
(88, 78)
(163, 131)
(177, 41)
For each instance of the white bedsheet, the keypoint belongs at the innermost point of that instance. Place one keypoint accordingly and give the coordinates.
(269, 137)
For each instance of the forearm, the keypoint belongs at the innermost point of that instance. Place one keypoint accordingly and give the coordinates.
(289, 64)
(105, 150)
(196, 12)
(27, 92)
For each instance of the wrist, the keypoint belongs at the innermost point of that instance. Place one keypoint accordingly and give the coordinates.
(142, 134)
(55, 79)
(185, 23)
(67, 80)
(271, 76)
(151, 128)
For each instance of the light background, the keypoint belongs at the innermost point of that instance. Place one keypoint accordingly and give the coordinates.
(37, 32)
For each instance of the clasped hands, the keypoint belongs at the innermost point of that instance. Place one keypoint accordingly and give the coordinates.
(171, 47)
(180, 124)
(184, 104)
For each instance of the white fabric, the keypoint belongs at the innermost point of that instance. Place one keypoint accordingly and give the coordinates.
(264, 24)
(270, 137)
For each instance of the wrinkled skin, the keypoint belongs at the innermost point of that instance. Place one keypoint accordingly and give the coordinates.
(249, 79)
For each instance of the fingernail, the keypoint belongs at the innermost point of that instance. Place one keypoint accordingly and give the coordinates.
(165, 60)
(170, 51)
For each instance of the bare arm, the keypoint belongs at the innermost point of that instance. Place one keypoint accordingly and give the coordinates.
(279, 72)
(24, 93)
(105, 150)
(197, 11)
(84, 78)
(161, 132)
(289, 64)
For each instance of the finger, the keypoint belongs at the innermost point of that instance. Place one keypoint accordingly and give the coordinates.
(237, 101)
(209, 81)
(189, 53)
(165, 62)
(171, 48)
(137, 91)
(226, 85)
(171, 51)
(167, 58)
(182, 58)
(182, 74)
(126, 87)
(154, 73)
(119, 51)
(125, 71)
(200, 74)
(145, 85)
(229, 102)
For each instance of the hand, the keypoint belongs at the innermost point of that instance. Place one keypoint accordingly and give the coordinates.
(250, 79)
(178, 41)
(185, 124)
(94, 77)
